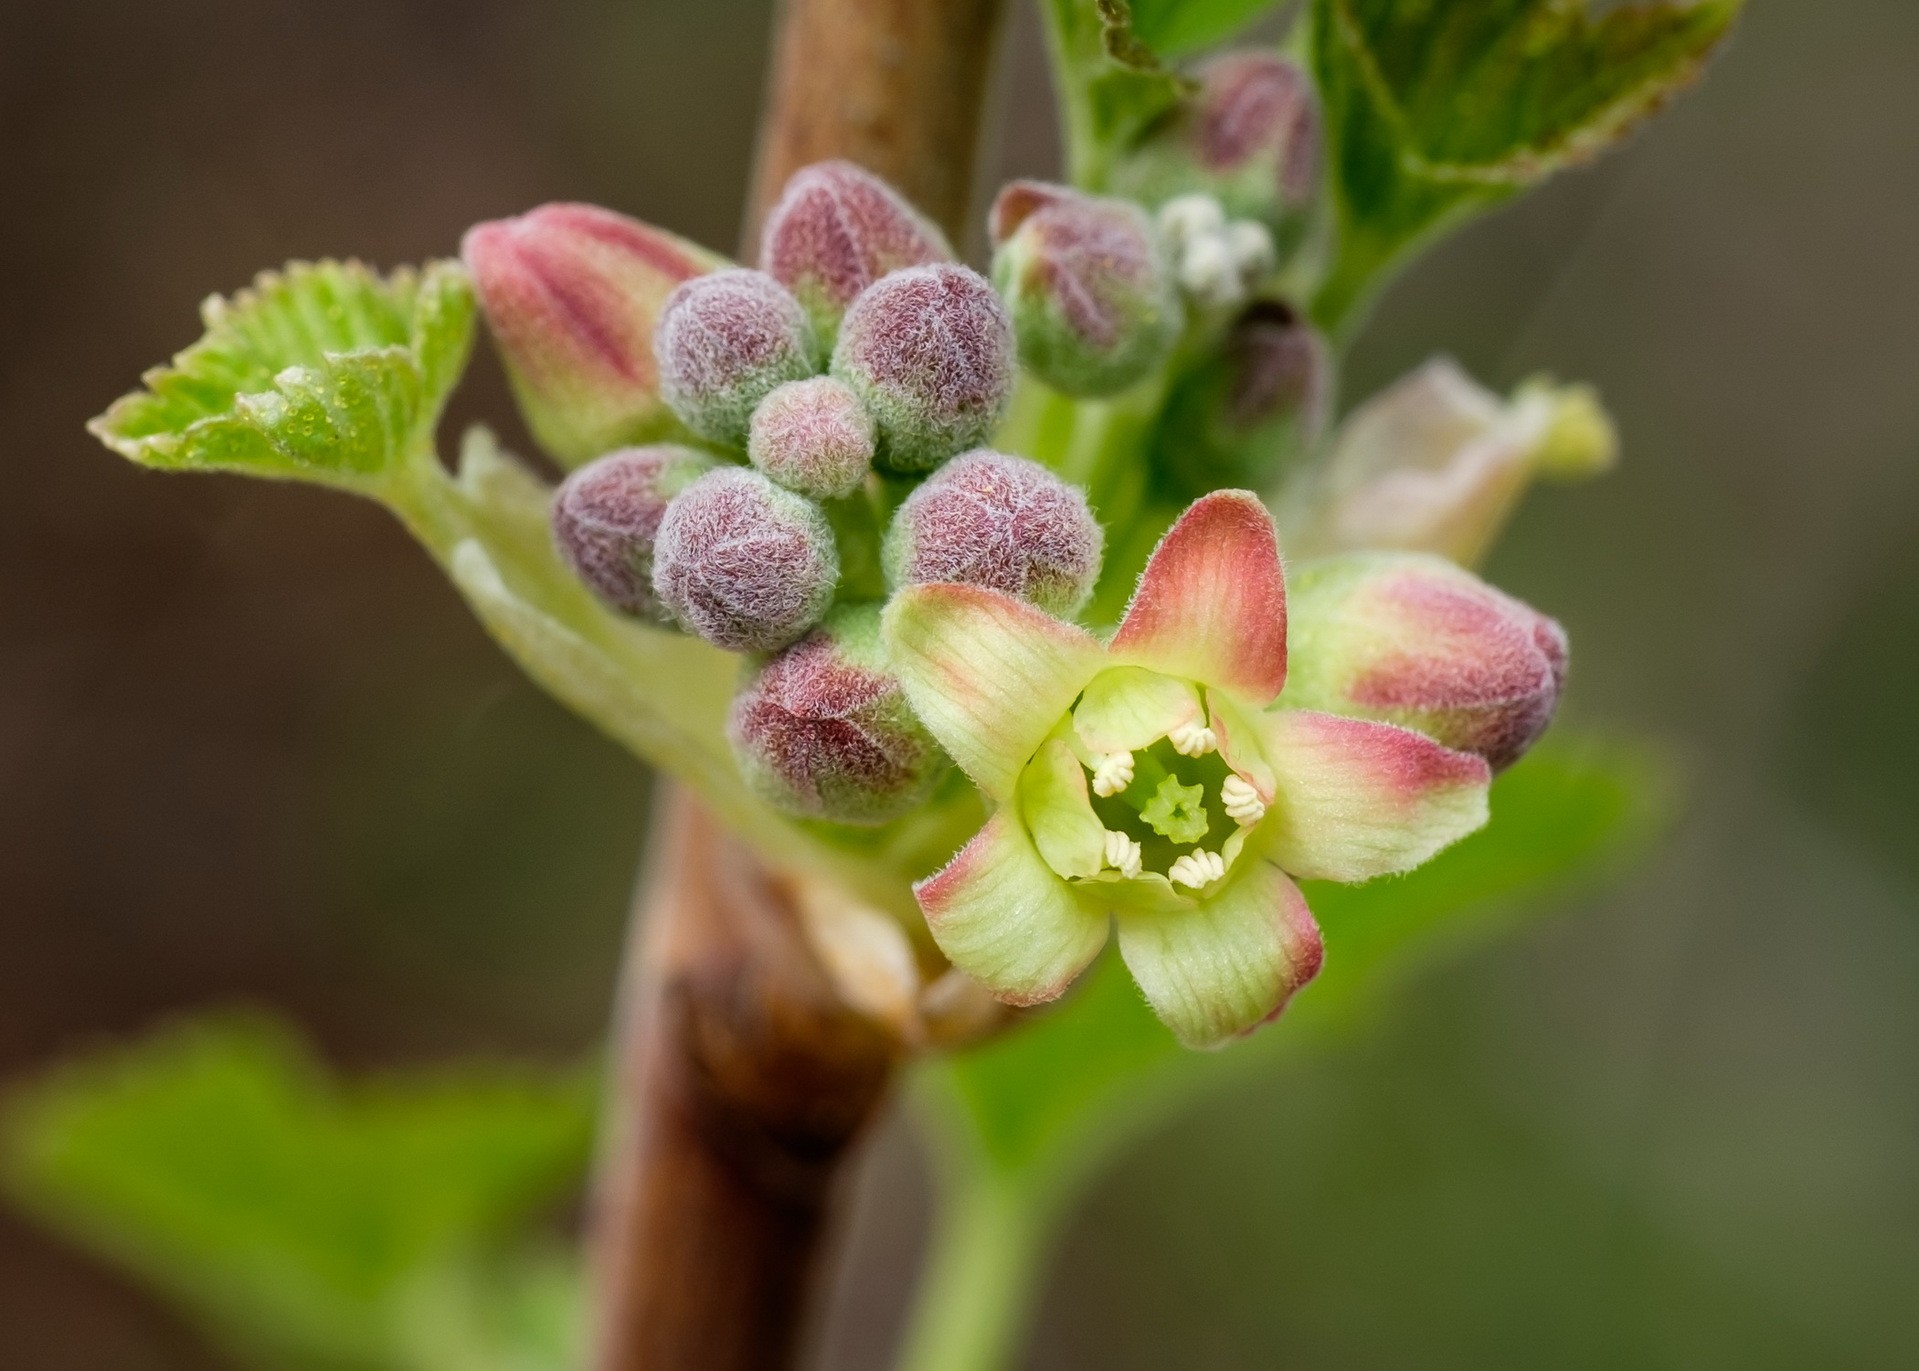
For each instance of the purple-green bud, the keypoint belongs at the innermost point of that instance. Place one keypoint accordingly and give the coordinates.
(1250, 136)
(744, 564)
(726, 341)
(929, 351)
(987, 519)
(1093, 303)
(1414, 640)
(572, 294)
(606, 517)
(824, 730)
(836, 230)
(813, 437)
(1236, 420)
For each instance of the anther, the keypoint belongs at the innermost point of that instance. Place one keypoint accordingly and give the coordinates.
(1193, 740)
(1241, 802)
(1122, 854)
(1112, 773)
(1196, 869)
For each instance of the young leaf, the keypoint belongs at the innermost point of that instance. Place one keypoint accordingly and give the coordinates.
(306, 1223)
(1024, 1121)
(1436, 111)
(1111, 83)
(1174, 28)
(324, 371)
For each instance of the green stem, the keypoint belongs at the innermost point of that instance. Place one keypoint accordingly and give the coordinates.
(980, 1279)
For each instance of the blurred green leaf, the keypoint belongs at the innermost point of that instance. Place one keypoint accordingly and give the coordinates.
(1111, 83)
(307, 1223)
(1437, 111)
(323, 371)
(1024, 1121)
(1174, 28)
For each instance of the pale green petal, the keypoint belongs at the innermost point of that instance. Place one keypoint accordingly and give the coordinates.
(989, 675)
(1222, 969)
(1358, 799)
(1002, 916)
(1052, 795)
(1127, 707)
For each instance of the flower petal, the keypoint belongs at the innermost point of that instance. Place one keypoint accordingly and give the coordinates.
(1000, 915)
(1211, 605)
(1358, 799)
(1223, 969)
(1126, 708)
(989, 675)
(1053, 800)
(1238, 734)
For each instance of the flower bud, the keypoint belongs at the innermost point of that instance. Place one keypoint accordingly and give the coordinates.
(1417, 641)
(607, 515)
(813, 437)
(572, 294)
(1236, 420)
(1438, 463)
(988, 519)
(1092, 301)
(929, 351)
(744, 564)
(823, 729)
(1250, 136)
(836, 230)
(725, 342)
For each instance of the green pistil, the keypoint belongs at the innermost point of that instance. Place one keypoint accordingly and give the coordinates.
(1175, 811)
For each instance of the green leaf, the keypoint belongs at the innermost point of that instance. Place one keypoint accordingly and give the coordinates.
(1174, 28)
(323, 371)
(1024, 1121)
(1436, 111)
(1111, 84)
(305, 1222)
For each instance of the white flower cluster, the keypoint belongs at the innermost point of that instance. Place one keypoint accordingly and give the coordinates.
(1218, 262)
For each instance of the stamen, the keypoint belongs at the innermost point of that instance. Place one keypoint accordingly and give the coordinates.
(1193, 740)
(1112, 773)
(1197, 869)
(1241, 802)
(1122, 854)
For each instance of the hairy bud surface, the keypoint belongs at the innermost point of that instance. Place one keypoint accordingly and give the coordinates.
(725, 342)
(813, 437)
(606, 517)
(744, 564)
(988, 519)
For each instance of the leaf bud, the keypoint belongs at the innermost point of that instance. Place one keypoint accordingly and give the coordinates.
(813, 437)
(988, 519)
(1238, 418)
(837, 229)
(1091, 298)
(744, 564)
(572, 294)
(929, 351)
(725, 341)
(607, 514)
(1250, 136)
(1415, 640)
(823, 728)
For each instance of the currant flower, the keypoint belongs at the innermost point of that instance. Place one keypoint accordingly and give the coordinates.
(1147, 781)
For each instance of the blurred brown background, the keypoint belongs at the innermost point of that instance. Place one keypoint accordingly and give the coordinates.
(252, 748)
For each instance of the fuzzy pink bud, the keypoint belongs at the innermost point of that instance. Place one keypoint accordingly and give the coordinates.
(725, 342)
(1094, 306)
(572, 294)
(836, 230)
(607, 515)
(929, 351)
(988, 519)
(813, 437)
(1415, 640)
(744, 564)
(824, 730)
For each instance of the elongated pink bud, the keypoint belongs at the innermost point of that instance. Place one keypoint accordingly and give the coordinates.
(1415, 640)
(823, 729)
(1093, 303)
(607, 515)
(744, 564)
(987, 519)
(725, 342)
(836, 230)
(929, 351)
(572, 294)
(813, 437)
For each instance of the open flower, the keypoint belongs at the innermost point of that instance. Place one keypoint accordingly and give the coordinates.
(1146, 780)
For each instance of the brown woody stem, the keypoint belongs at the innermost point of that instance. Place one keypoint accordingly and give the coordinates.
(741, 1078)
